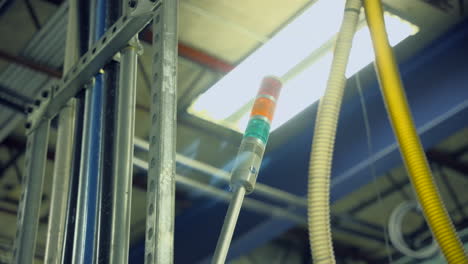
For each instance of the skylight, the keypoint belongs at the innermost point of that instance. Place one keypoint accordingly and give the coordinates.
(313, 32)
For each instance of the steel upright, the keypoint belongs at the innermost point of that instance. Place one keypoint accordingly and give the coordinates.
(162, 156)
(31, 197)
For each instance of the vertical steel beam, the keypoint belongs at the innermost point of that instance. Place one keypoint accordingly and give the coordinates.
(63, 158)
(106, 176)
(86, 215)
(159, 247)
(123, 156)
(30, 201)
(73, 189)
(87, 189)
(108, 147)
(60, 186)
(80, 31)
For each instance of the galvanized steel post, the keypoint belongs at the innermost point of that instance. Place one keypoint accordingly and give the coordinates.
(31, 197)
(64, 149)
(159, 247)
(123, 155)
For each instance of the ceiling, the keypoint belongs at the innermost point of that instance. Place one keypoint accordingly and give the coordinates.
(228, 31)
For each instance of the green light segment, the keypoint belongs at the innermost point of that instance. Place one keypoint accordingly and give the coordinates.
(258, 128)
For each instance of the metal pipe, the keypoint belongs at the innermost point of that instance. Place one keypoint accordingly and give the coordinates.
(64, 150)
(84, 251)
(73, 190)
(87, 190)
(225, 237)
(77, 29)
(109, 145)
(80, 26)
(30, 201)
(159, 246)
(60, 186)
(123, 156)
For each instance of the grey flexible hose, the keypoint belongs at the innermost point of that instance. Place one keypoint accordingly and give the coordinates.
(324, 139)
(396, 235)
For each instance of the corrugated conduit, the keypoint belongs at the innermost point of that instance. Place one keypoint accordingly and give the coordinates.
(410, 146)
(324, 139)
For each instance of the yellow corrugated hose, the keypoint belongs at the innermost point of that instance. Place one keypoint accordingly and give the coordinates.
(408, 140)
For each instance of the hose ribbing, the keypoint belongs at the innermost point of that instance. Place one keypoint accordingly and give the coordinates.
(410, 146)
(324, 139)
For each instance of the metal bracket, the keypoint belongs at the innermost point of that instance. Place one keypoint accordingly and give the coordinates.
(91, 62)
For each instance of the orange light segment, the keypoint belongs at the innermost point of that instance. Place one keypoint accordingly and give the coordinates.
(264, 107)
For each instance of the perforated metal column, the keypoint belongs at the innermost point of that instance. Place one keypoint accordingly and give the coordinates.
(159, 247)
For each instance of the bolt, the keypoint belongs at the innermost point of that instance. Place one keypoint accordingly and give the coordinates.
(45, 94)
(132, 3)
(29, 109)
(37, 102)
(253, 170)
(27, 125)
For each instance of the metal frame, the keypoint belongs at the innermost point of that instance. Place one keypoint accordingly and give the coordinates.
(162, 155)
(55, 98)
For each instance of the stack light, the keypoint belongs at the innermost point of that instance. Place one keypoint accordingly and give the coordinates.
(252, 148)
(263, 109)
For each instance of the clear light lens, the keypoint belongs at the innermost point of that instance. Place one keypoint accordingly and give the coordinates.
(296, 41)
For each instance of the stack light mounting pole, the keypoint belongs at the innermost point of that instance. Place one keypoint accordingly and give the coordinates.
(159, 243)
